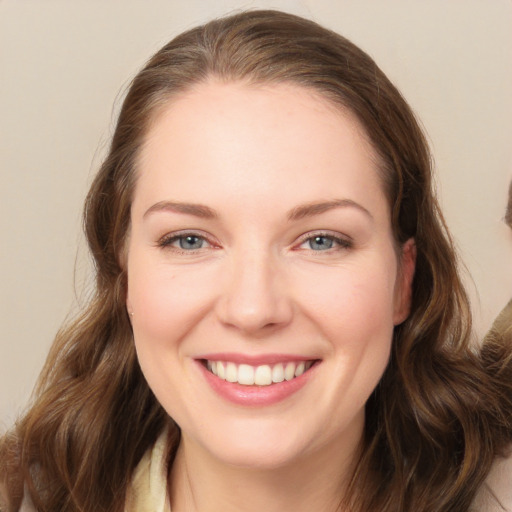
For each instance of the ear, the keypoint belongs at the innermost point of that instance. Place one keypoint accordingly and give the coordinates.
(128, 302)
(129, 308)
(403, 286)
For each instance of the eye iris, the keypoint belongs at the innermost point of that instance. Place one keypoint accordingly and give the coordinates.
(191, 242)
(321, 243)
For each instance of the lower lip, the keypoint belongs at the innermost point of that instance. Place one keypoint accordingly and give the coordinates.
(255, 395)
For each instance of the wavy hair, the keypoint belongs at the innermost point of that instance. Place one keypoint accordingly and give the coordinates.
(433, 425)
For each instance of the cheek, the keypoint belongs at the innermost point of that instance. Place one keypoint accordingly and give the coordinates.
(352, 306)
(167, 305)
(166, 302)
(353, 303)
(358, 322)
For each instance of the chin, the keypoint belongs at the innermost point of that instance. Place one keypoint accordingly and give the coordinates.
(256, 445)
(261, 456)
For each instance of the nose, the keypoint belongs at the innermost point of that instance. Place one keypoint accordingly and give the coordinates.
(255, 299)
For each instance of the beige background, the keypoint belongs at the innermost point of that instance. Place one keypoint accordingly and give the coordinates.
(64, 63)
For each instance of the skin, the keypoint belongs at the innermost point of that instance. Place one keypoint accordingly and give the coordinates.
(257, 284)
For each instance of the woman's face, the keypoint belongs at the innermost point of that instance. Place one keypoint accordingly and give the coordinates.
(261, 250)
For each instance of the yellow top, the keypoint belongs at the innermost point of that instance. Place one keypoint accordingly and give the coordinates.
(148, 490)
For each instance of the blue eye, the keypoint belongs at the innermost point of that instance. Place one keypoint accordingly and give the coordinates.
(184, 242)
(320, 243)
(190, 242)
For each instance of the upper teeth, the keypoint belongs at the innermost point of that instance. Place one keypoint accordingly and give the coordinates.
(262, 375)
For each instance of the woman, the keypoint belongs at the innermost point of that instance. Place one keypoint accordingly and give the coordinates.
(278, 321)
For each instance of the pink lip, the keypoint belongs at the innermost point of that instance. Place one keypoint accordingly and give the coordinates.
(254, 395)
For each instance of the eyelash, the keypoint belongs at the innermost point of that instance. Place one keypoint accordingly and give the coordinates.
(340, 243)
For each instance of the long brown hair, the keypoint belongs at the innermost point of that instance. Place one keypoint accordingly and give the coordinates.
(433, 424)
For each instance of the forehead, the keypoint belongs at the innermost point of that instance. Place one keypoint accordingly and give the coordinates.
(256, 140)
(273, 104)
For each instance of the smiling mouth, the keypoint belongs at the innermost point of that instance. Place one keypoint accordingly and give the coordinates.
(261, 375)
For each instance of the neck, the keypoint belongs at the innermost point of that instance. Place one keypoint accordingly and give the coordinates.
(201, 483)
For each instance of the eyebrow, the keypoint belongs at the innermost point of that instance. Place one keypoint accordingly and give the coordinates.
(297, 213)
(311, 209)
(197, 210)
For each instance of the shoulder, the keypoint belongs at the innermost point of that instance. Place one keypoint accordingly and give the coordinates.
(495, 495)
